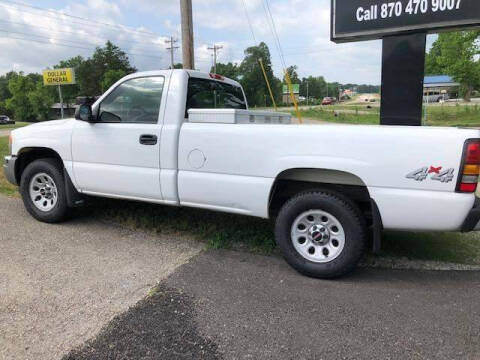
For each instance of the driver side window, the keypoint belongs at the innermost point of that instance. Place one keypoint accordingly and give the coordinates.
(134, 101)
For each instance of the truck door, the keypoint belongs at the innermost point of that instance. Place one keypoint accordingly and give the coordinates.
(119, 155)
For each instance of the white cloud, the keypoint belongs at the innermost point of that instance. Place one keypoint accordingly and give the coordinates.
(53, 37)
(303, 28)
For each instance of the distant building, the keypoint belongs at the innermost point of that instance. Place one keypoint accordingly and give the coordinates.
(442, 84)
(287, 97)
(56, 111)
(69, 109)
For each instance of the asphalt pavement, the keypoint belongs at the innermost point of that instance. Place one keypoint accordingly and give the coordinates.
(244, 306)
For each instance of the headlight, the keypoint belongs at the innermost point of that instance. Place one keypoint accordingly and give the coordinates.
(10, 143)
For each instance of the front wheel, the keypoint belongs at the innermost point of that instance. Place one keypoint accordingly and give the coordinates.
(321, 234)
(42, 187)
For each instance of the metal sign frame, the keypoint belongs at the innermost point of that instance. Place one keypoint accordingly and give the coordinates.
(397, 30)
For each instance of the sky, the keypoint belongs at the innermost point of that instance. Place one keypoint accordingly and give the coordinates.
(39, 35)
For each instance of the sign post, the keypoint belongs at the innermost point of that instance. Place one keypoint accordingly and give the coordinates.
(403, 26)
(403, 69)
(59, 77)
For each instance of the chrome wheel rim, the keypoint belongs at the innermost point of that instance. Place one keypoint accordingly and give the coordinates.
(318, 236)
(43, 192)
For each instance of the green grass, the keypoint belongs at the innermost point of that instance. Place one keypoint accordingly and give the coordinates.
(354, 108)
(445, 247)
(5, 187)
(437, 115)
(14, 126)
(218, 230)
(457, 115)
(330, 115)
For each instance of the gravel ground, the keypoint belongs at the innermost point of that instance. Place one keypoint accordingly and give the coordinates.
(60, 284)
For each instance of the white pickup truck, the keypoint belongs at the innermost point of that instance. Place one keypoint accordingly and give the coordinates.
(160, 137)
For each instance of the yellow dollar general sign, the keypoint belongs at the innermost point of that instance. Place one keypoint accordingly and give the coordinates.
(59, 77)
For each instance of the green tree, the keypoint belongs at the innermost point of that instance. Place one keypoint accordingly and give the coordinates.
(41, 99)
(111, 77)
(252, 79)
(432, 65)
(229, 70)
(456, 54)
(91, 72)
(5, 92)
(19, 103)
(292, 72)
(317, 87)
(334, 89)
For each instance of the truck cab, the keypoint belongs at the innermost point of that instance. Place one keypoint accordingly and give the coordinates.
(133, 142)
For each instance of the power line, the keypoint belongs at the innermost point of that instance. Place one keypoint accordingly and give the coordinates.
(51, 38)
(71, 46)
(273, 28)
(115, 26)
(249, 21)
(78, 33)
(279, 47)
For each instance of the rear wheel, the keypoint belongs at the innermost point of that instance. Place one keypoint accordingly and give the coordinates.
(321, 234)
(42, 188)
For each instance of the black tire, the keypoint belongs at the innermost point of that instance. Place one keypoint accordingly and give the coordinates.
(52, 168)
(348, 215)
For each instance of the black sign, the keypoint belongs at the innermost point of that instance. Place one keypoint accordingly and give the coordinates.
(354, 20)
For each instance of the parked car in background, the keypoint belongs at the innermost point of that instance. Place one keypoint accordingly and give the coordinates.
(435, 96)
(328, 101)
(4, 120)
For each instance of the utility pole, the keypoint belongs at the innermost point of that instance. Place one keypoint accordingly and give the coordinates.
(187, 34)
(215, 48)
(61, 101)
(307, 94)
(172, 49)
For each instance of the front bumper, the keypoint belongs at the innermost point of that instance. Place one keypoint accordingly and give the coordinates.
(9, 169)
(472, 222)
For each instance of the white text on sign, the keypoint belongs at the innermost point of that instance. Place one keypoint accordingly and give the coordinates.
(414, 7)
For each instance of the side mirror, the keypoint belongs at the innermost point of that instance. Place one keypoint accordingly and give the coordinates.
(84, 113)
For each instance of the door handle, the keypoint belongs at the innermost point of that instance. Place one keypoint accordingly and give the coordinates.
(148, 139)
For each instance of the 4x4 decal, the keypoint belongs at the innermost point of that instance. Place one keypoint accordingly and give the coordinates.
(436, 173)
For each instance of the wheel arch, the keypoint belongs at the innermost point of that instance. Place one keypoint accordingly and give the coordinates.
(291, 182)
(27, 155)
